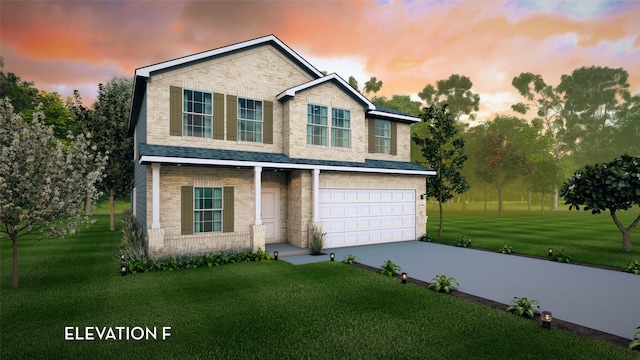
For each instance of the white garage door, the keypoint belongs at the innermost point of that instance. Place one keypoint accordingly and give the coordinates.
(367, 216)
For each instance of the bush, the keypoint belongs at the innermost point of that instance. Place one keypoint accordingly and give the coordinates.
(170, 263)
(523, 307)
(562, 257)
(350, 259)
(389, 268)
(441, 283)
(636, 340)
(132, 243)
(463, 241)
(316, 242)
(633, 267)
(506, 250)
(427, 238)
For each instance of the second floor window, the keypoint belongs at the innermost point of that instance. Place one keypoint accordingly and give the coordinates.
(207, 212)
(340, 128)
(382, 136)
(197, 113)
(317, 126)
(249, 120)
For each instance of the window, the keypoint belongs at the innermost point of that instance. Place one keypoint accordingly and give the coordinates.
(207, 212)
(317, 125)
(382, 136)
(249, 120)
(340, 128)
(197, 111)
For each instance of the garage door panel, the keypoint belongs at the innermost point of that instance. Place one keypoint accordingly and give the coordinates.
(367, 216)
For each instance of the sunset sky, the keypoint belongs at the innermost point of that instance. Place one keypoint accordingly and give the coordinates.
(67, 45)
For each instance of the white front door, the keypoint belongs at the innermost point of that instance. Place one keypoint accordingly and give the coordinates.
(270, 214)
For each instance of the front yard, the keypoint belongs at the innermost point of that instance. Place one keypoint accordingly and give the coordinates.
(250, 310)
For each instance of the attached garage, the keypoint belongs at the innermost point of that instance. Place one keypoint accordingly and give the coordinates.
(354, 217)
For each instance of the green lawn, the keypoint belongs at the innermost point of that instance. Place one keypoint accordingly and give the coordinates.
(251, 310)
(591, 239)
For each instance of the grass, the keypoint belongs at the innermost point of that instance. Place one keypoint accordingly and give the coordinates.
(251, 310)
(589, 239)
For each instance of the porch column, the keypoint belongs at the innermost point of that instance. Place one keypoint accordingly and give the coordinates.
(316, 195)
(155, 186)
(257, 184)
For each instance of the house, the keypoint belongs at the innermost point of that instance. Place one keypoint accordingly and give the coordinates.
(249, 144)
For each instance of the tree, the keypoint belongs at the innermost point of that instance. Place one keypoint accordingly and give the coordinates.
(43, 181)
(372, 85)
(547, 105)
(443, 150)
(109, 126)
(609, 186)
(502, 158)
(593, 97)
(353, 82)
(401, 103)
(456, 93)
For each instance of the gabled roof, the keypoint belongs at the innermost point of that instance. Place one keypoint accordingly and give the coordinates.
(183, 155)
(206, 55)
(335, 78)
(142, 75)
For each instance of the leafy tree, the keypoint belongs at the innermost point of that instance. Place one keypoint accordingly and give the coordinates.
(502, 158)
(609, 186)
(401, 103)
(354, 83)
(456, 93)
(593, 98)
(43, 181)
(372, 85)
(26, 99)
(443, 151)
(109, 126)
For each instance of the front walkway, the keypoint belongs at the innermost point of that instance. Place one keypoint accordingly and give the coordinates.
(600, 299)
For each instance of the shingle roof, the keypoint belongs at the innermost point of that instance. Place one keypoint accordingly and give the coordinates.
(187, 155)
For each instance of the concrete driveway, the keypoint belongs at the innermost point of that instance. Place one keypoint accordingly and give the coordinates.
(600, 299)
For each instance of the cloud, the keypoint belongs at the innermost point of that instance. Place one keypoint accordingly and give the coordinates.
(407, 45)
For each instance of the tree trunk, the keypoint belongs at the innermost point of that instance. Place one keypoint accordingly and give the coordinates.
(626, 232)
(14, 268)
(542, 205)
(87, 207)
(441, 223)
(112, 206)
(499, 201)
(555, 198)
(529, 202)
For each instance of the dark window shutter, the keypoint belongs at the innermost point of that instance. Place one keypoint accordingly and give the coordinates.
(232, 118)
(394, 139)
(218, 116)
(175, 111)
(186, 210)
(372, 136)
(267, 126)
(227, 209)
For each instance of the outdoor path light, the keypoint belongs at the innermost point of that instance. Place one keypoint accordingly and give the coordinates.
(275, 255)
(546, 317)
(332, 256)
(404, 277)
(550, 252)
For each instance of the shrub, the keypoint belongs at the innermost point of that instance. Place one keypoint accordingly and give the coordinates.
(523, 307)
(633, 267)
(170, 263)
(132, 243)
(316, 243)
(441, 283)
(427, 238)
(463, 241)
(562, 257)
(506, 250)
(261, 256)
(350, 259)
(636, 340)
(389, 268)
